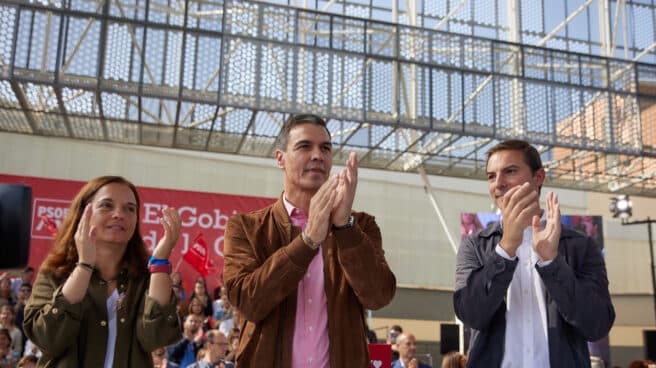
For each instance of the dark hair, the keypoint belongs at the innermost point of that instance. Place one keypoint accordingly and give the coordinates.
(397, 328)
(531, 155)
(62, 257)
(296, 120)
(28, 269)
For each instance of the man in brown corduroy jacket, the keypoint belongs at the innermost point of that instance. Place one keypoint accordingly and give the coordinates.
(303, 270)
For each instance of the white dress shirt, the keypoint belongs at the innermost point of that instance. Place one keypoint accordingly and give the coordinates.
(526, 340)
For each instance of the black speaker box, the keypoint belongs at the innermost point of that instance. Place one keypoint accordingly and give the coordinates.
(449, 340)
(650, 344)
(15, 222)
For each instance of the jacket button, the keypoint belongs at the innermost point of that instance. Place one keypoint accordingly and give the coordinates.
(55, 310)
(103, 323)
(250, 334)
(122, 320)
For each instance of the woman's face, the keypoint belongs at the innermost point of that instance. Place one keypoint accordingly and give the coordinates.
(199, 289)
(114, 215)
(6, 318)
(196, 307)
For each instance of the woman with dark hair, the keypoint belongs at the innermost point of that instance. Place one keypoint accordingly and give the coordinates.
(98, 301)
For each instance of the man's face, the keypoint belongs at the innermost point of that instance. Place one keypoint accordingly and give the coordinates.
(219, 345)
(407, 346)
(193, 323)
(307, 160)
(507, 169)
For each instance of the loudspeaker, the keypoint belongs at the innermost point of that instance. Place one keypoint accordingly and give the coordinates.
(650, 344)
(449, 340)
(15, 222)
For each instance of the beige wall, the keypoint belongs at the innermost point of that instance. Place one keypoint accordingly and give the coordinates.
(416, 245)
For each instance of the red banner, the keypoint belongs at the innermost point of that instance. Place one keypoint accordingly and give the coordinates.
(204, 217)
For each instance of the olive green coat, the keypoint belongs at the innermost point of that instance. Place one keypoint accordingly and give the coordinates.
(75, 335)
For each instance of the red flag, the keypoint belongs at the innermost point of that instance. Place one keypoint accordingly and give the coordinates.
(50, 224)
(198, 256)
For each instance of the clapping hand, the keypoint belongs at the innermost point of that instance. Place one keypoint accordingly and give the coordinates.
(545, 242)
(171, 222)
(348, 182)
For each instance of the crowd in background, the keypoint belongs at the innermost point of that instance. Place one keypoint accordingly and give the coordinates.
(210, 330)
(15, 349)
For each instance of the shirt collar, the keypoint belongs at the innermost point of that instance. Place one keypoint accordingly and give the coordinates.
(290, 208)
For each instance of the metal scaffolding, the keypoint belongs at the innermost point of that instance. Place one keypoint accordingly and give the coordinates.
(427, 85)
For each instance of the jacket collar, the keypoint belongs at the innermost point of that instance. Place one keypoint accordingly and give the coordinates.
(281, 218)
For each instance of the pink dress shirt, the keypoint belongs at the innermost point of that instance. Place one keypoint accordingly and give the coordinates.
(311, 341)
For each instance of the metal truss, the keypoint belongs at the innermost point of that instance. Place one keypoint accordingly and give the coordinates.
(221, 76)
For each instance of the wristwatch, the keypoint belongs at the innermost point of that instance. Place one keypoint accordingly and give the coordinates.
(348, 225)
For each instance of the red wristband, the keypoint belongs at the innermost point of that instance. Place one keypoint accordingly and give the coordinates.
(159, 268)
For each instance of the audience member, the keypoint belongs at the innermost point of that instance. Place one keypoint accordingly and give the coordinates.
(407, 352)
(25, 278)
(8, 357)
(233, 340)
(184, 352)
(6, 295)
(221, 307)
(19, 309)
(215, 348)
(454, 360)
(97, 299)
(308, 255)
(200, 291)
(231, 323)
(393, 333)
(160, 360)
(178, 287)
(533, 292)
(8, 321)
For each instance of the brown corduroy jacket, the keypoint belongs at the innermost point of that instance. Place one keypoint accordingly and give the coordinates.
(265, 258)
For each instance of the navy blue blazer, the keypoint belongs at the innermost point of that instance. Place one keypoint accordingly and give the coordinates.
(578, 303)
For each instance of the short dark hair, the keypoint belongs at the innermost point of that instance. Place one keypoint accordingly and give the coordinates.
(296, 120)
(28, 269)
(531, 155)
(397, 328)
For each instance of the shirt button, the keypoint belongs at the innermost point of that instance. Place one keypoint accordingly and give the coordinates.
(310, 328)
(55, 310)
(103, 323)
(307, 275)
(310, 301)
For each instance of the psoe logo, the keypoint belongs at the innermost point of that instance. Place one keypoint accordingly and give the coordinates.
(47, 209)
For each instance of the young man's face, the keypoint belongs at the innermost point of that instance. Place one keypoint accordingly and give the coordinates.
(307, 160)
(507, 169)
